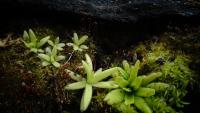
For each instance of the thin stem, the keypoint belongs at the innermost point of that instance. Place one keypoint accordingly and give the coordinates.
(71, 54)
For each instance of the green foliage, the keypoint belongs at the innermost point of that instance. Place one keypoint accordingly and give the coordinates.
(32, 42)
(159, 105)
(178, 74)
(59, 46)
(175, 68)
(78, 43)
(134, 89)
(92, 79)
(51, 57)
(123, 108)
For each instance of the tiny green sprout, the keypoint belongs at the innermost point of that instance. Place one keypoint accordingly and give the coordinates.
(30, 40)
(59, 46)
(51, 57)
(133, 89)
(92, 79)
(78, 43)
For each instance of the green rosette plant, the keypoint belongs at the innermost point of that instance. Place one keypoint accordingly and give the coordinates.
(78, 42)
(93, 79)
(134, 89)
(33, 43)
(51, 57)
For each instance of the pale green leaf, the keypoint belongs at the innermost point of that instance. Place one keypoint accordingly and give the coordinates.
(57, 40)
(54, 52)
(40, 51)
(33, 50)
(141, 104)
(151, 77)
(75, 39)
(56, 64)
(75, 47)
(134, 71)
(114, 97)
(86, 97)
(89, 61)
(127, 89)
(50, 43)
(98, 71)
(121, 81)
(79, 49)
(136, 83)
(76, 85)
(104, 74)
(26, 36)
(26, 44)
(61, 45)
(44, 57)
(90, 75)
(48, 50)
(145, 92)
(126, 66)
(107, 84)
(82, 39)
(123, 73)
(45, 63)
(43, 41)
(83, 47)
(59, 58)
(129, 99)
(32, 36)
(31, 45)
(74, 76)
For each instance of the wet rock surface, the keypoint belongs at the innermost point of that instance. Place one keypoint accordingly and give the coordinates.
(118, 10)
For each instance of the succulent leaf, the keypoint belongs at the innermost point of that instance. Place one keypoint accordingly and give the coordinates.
(86, 98)
(141, 104)
(126, 66)
(134, 71)
(90, 75)
(114, 97)
(145, 92)
(107, 84)
(26, 36)
(32, 36)
(104, 74)
(136, 83)
(129, 99)
(151, 77)
(76, 85)
(44, 57)
(43, 41)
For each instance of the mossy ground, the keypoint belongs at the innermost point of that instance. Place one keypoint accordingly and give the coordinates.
(28, 87)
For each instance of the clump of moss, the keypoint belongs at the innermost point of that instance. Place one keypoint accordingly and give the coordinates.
(174, 64)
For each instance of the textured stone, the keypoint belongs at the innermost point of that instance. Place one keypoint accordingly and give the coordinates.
(119, 10)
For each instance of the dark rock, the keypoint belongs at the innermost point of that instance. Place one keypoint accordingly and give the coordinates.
(119, 10)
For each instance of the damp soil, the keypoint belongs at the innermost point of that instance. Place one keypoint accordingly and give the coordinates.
(27, 87)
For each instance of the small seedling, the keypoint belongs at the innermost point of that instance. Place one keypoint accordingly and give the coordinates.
(30, 40)
(93, 79)
(78, 43)
(51, 57)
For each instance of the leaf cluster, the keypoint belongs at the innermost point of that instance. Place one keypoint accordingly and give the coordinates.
(93, 79)
(134, 89)
(78, 43)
